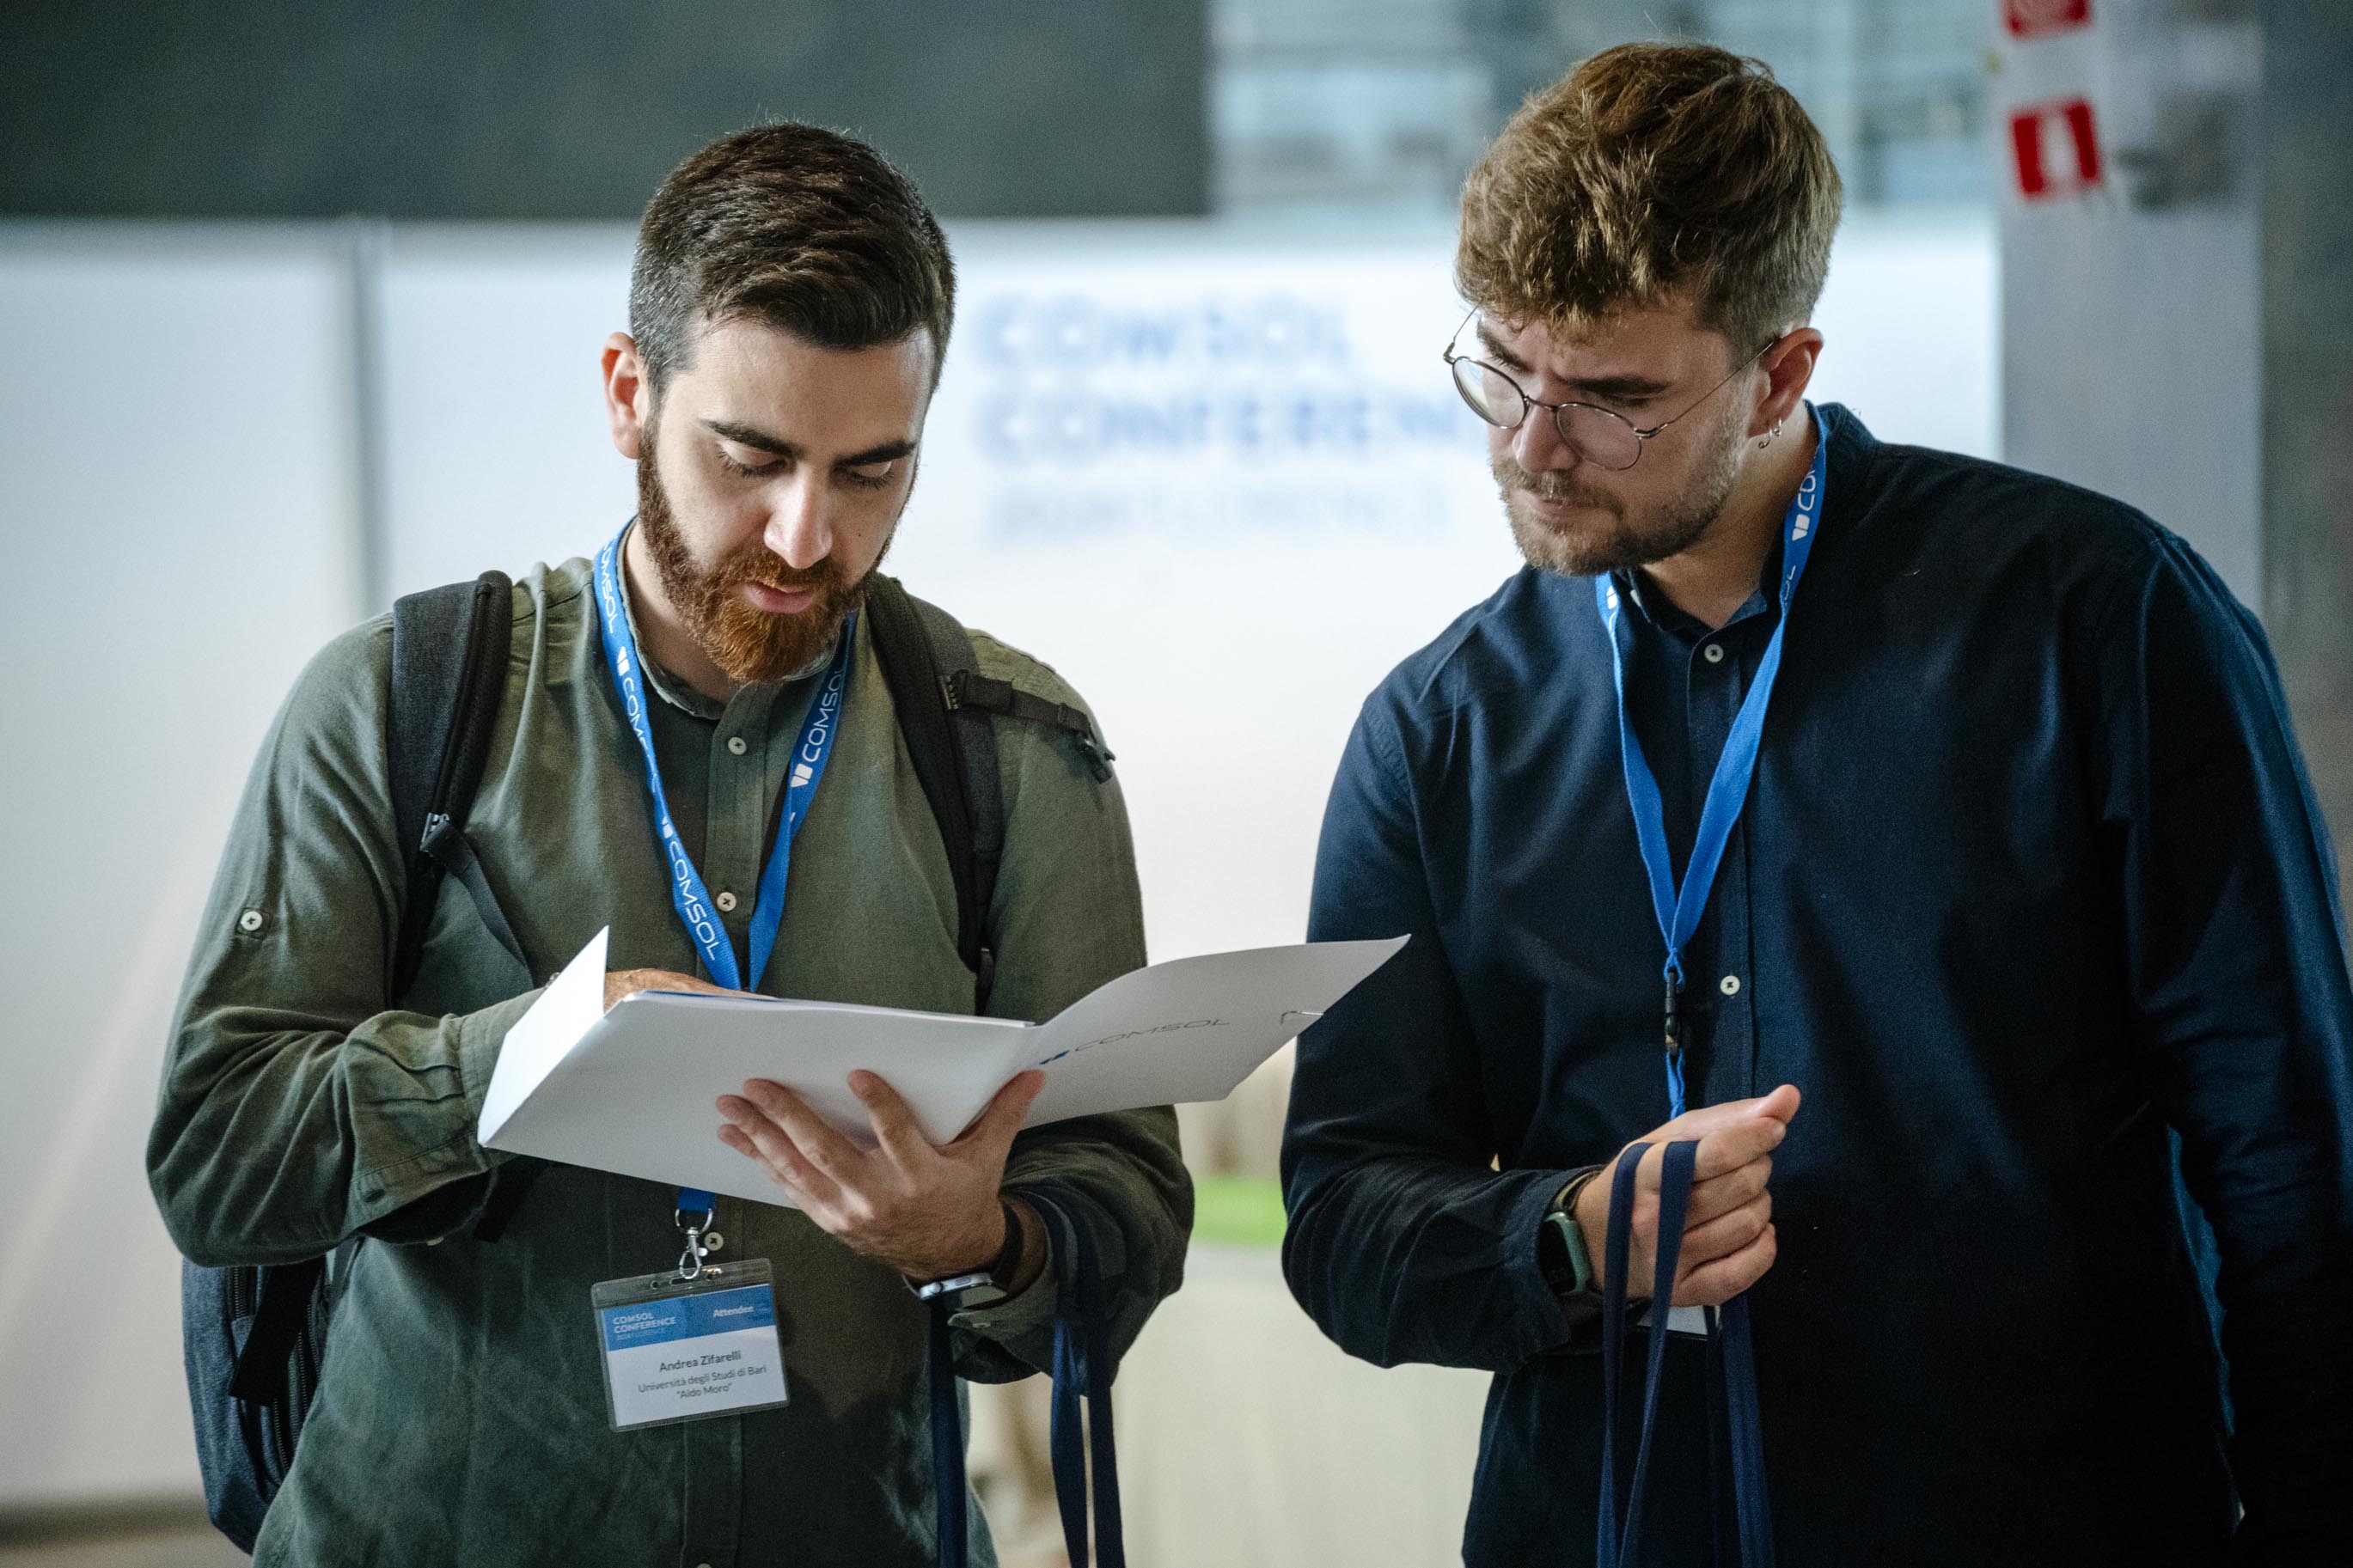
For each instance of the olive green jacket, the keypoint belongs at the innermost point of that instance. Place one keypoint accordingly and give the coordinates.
(461, 1416)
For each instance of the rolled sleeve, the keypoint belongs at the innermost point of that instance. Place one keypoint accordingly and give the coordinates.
(295, 1110)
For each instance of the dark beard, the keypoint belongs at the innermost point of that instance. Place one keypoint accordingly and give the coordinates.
(749, 646)
(1623, 546)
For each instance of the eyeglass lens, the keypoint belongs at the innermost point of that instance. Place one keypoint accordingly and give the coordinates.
(1599, 437)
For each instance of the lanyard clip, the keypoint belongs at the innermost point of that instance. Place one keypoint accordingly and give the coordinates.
(694, 1222)
(1674, 1041)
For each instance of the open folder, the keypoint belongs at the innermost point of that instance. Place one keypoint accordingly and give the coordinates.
(634, 1089)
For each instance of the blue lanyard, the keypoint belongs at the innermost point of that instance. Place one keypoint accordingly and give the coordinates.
(687, 891)
(1734, 1427)
(1678, 911)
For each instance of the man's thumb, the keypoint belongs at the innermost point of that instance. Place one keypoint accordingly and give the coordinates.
(1002, 1119)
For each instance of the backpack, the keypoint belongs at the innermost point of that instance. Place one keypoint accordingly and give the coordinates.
(253, 1338)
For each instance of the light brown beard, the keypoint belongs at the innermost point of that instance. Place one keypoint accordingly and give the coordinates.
(750, 646)
(1623, 545)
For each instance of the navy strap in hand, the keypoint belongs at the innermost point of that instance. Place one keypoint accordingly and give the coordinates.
(1086, 1467)
(1733, 1418)
(1080, 1441)
(947, 1446)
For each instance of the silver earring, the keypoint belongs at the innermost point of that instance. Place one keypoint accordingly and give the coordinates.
(1767, 439)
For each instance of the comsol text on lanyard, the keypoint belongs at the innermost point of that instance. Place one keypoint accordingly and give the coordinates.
(688, 893)
(1678, 911)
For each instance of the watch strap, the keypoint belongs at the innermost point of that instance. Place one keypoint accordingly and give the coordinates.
(1007, 1268)
(1571, 1271)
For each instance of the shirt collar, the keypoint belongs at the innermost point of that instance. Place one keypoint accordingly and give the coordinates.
(1660, 611)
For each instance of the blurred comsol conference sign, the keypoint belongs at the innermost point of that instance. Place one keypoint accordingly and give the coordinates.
(1179, 461)
(1103, 390)
(1183, 465)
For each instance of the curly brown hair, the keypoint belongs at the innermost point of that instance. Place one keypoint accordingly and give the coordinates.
(801, 227)
(1650, 170)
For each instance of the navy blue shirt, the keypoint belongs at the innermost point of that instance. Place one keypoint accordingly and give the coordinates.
(2030, 875)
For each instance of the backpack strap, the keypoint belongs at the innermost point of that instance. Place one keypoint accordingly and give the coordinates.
(975, 742)
(922, 648)
(449, 650)
(450, 646)
(259, 1373)
(969, 690)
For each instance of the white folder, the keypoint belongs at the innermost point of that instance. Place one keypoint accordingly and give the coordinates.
(634, 1089)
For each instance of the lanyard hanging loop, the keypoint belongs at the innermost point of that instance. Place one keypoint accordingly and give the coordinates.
(688, 894)
(1678, 909)
(687, 891)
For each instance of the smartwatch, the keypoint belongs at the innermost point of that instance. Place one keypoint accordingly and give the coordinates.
(976, 1288)
(1560, 1245)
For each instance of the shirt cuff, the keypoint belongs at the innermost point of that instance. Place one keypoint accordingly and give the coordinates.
(473, 1042)
(481, 1037)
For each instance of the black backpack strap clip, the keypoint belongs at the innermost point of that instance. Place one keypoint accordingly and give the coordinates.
(968, 688)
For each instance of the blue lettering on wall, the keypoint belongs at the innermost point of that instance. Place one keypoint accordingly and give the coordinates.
(1236, 388)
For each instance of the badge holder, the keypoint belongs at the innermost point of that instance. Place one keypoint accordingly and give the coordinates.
(693, 1342)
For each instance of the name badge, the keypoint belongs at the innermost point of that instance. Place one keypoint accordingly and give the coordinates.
(681, 1350)
(1687, 1320)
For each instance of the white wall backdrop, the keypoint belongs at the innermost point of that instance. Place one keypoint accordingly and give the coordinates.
(175, 511)
(1219, 480)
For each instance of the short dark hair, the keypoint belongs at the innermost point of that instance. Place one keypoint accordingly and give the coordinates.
(1649, 169)
(796, 227)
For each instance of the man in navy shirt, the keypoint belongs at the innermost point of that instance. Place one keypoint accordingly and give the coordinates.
(2028, 896)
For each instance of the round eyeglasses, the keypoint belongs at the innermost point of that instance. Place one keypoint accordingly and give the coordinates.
(1599, 436)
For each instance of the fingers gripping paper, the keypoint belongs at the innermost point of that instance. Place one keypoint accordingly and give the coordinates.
(633, 1090)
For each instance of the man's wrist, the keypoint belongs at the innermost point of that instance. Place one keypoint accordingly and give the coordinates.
(1014, 1263)
(1589, 1205)
(977, 1244)
(1563, 1250)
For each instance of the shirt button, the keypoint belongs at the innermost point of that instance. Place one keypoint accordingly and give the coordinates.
(1729, 985)
(249, 922)
(735, 744)
(1715, 652)
(712, 1241)
(726, 903)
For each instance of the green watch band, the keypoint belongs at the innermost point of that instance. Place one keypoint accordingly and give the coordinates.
(1561, 1246)
(1577, 1278)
